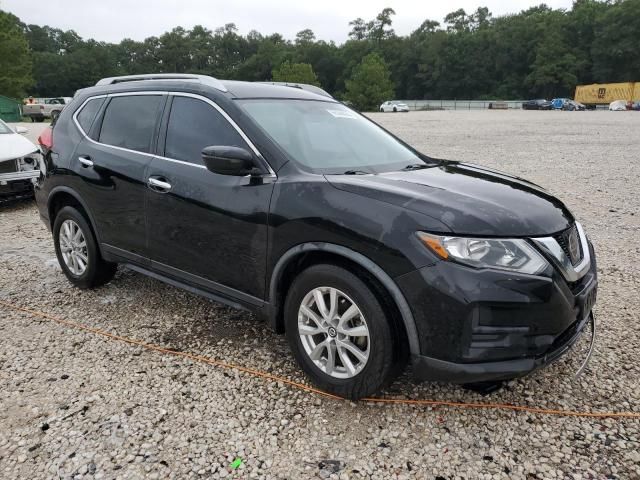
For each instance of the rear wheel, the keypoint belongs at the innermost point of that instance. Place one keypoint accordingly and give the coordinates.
(395, 110)
(77, 250)
(339, 332)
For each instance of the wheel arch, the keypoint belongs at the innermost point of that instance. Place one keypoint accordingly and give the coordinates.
(62, 196)
(280, 281)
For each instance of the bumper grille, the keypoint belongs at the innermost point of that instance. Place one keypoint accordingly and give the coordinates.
(569, 241)
(9, 166)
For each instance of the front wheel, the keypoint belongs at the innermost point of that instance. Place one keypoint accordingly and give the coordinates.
(77, 250)
(339, 332)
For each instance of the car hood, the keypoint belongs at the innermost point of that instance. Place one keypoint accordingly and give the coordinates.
(469, 199)
(14, 145)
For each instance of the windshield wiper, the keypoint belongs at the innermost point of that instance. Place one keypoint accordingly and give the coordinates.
(415, 166)
(355, 172)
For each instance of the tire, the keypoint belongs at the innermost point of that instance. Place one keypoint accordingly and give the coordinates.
(382, 110)
(96, 272)
(359, 379)
(395, 110)
(40, 119)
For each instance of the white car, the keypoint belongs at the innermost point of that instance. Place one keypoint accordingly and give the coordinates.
(394, 106)
(618, 106)
(20, 162)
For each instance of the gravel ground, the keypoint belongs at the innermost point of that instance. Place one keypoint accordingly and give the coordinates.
(75, 405)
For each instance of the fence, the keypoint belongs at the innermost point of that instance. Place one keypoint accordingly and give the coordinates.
(461, 104)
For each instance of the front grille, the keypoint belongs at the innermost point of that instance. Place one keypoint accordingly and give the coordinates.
(569, 241)
(9, 166)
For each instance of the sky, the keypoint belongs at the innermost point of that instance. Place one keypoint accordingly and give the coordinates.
(113, 20)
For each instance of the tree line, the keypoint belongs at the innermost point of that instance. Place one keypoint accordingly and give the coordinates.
(539, 52)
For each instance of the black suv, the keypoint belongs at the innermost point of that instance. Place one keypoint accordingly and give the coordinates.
(282, 201)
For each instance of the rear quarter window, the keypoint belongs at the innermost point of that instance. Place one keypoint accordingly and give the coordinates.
(87, 114)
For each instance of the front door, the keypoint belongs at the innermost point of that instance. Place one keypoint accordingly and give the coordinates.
(207, 229)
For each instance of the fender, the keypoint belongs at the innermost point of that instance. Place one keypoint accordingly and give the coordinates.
(367, 264)
(76, 195)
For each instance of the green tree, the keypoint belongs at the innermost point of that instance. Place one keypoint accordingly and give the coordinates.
(554, 70)
(270, 51)
(457, 21)
(359, 29)
(539, 51)
(174, 49)
(370, 84)
(305, 36)
(616, 56)
(15, 60)
(295, 73)
(381, 26)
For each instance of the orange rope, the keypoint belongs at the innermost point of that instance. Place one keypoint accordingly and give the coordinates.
(301, 386)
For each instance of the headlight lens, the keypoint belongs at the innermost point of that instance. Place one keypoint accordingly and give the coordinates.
(505, 254)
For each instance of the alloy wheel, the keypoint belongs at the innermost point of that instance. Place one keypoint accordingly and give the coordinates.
(333, 332)
(73, 247)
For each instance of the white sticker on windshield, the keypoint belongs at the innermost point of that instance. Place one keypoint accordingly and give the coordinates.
(342, 113)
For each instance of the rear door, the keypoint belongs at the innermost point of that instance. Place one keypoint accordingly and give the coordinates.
(112, 161)
(205, 228)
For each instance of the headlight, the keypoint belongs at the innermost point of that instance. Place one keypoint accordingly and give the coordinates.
(505, 254)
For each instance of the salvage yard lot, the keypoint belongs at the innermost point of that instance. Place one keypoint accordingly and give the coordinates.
(77, 404)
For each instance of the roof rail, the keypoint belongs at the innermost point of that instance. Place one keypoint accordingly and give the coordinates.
(302, 86)
(213, 82)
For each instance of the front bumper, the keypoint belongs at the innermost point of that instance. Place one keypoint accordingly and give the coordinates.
(487, 325)
(427, 368)
(16, 183)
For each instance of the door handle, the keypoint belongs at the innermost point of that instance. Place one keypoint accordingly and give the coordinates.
(159, 185)
(86, 161)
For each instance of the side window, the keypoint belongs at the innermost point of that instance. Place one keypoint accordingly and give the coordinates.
(193, 125)
(88, 114)
(129, 122)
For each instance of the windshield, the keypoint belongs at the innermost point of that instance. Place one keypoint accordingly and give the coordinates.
(4, 128)
(329, 138)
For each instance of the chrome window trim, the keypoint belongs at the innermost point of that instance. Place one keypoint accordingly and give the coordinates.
(109, 95)
(553, 250)
(255, 150)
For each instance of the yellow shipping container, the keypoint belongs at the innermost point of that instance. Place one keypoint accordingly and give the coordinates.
(605, 93)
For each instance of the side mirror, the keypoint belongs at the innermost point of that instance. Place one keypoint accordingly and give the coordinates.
(228, 160)
(22, 130)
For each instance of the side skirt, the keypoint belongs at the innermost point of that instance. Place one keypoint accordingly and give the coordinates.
(184, 280)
